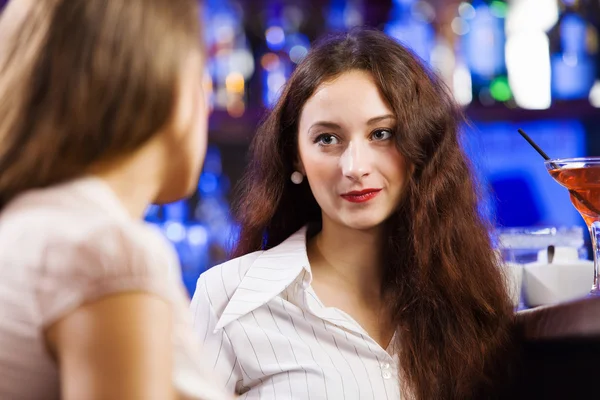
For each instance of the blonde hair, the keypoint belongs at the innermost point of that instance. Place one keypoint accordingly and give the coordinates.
(85, 80)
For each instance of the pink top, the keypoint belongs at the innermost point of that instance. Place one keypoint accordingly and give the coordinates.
(67, 245)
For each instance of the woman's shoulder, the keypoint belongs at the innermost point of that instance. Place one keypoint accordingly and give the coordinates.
(78, 264)
(81, 217)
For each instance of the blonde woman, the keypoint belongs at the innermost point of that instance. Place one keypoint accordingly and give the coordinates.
(101, 113)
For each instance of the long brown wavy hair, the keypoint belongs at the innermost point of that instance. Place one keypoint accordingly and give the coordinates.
(84, 81)
(449, 301)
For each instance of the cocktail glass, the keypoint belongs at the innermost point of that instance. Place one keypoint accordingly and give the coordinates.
(581, 176)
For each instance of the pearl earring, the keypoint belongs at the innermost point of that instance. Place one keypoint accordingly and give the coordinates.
(297, 177)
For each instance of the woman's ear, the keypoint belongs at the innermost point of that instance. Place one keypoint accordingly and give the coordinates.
(299, 167)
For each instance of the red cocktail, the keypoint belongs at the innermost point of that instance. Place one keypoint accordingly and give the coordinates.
(581, 176)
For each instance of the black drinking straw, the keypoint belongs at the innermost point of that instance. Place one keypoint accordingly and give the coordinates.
(535, 146)
(553, 165)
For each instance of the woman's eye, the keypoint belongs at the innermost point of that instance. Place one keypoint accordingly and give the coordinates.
(381, 134)
(326, 140)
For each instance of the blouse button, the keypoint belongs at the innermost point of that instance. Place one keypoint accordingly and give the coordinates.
(385, 365)
(386, 374)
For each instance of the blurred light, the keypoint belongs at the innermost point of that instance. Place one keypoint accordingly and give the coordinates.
(197, 235)
(297, 53)
(209, 183)
(570, 60)
(207, 83)
(270, 61)
(223, 52)
(344, 14)
(242, 60)
(224, 33)
(462, 85)
(500, 90)
(459, 26)
(212, 161)
(175, 231)
(504, 160)
(275, 81)
(531, 15)
(176, 211)
(352, 17)
(574, 34)
(443, 61)
(528, 65)
(293, 17)
(423, 11)
(221, 97)
(485, 97)
(221, 65)
(573, 67)
(236, 108)
(595, 94)
(335, 17)
(275, 37)
(408, 29)
(442, 54)
(499, 8)
(466, 10)
(234, 83)
(484, 45)
(572, 78)
(276, 68)
(296, 39)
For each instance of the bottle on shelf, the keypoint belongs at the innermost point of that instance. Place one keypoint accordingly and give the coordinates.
(410, 23)
(527, 51)
(573, 52)
(480, 25)
(230, 62)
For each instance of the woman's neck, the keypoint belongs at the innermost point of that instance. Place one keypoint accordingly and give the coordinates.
(135, 179)
(350, 257)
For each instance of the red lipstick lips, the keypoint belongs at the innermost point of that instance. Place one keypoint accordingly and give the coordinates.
(361, 196)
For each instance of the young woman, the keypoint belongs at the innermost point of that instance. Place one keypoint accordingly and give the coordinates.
(365, 270)
(101, 113)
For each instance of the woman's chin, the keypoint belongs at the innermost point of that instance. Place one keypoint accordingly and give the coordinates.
(177, 190)
(362, 222)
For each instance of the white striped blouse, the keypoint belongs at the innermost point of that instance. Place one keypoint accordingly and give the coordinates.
(268, 336)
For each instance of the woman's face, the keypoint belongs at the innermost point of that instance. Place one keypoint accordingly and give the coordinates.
(187, 137)
(348, 153)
